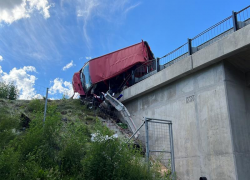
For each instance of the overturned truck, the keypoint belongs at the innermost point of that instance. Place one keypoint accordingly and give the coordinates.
(110, 74)
(111, 71)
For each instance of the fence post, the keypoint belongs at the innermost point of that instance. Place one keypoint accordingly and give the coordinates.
(45, 108)
(235, 22)
(172, 149)
(189, 46)
(147, 141)
(157, 64)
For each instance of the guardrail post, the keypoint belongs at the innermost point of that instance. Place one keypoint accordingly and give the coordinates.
(235, 22)
(189, 46)
(157, 64)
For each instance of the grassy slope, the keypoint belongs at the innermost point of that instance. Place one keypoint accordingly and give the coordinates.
(61, 149)
(70, 109)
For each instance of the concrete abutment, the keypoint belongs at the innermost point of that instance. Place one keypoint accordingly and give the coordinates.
(207, 97)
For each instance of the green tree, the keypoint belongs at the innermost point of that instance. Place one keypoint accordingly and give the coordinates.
(8, 91)
(3, 90)
(13, 91)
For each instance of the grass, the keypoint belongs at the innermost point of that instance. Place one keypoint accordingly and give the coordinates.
(62, 149)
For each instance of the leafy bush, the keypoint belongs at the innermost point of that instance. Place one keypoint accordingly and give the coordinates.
(112, 159)
(8, 126)
(8, 91)
(36, 105)
(58, 150)
(4, 90)
(73, 149)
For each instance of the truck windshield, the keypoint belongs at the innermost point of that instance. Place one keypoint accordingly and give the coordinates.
(85, 78)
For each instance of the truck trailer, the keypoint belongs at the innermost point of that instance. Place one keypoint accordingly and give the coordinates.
(111, 72)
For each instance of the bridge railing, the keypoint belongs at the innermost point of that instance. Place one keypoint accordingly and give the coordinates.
(218, 31)
(223, 28)
(145, 70)
(174, 56)
(243, 17)
(212, 34)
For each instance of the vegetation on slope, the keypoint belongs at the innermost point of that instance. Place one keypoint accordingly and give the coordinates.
(61, 148)
(8, 91)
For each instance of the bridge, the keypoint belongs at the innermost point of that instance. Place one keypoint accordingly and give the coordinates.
(203, 88)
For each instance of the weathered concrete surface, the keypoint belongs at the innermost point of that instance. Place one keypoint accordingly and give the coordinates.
(207, 97)
(202, 136)
(238, 97)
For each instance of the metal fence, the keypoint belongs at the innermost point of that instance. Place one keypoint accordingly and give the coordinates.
(223, 28)
(218, 31)
(212, 34)
(145, 70)
(159, 142)
(174, 56)
(157, 136)
(243, 17)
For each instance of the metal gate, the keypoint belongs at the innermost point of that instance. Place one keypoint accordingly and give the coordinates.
(157, 136)
(159, 142)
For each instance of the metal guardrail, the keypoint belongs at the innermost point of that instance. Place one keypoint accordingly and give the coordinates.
(243, 17)
(147, 69)
(175, 55)
(223, 28)
(216, 32)
(212, 34)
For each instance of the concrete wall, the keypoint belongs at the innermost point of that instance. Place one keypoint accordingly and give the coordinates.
(209, 103)
(238, 97)
(214, 53)
(201, 125)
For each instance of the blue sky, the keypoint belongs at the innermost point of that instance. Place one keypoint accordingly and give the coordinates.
(43, 42)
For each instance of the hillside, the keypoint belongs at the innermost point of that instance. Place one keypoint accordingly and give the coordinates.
(62, 148)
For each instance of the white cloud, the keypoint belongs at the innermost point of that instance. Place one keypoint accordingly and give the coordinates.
(1, 58)
(85, 10)
(37, 96)
(13, 10)
(88, 58)
(69, 65)
(37, 56)
(131, 7)
(63, 88)
(23, 80)
(108, 10)
(29, 68)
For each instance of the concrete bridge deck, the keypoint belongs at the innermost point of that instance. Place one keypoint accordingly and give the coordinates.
(207, 97)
